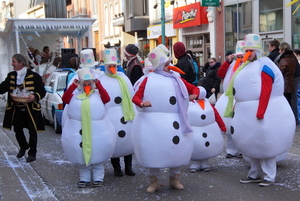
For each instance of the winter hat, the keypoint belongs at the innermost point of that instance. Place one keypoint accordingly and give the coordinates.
(110, 56)
(85, 74)
(238, 47)
(158, 58)
(228, 53)
(131, 50)
(253, 42)
(202, 93)
(87, 59)
(179, 49)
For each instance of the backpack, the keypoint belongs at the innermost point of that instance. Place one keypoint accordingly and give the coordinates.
(195, 70)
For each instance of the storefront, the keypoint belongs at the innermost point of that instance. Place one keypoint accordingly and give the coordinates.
(192, 23)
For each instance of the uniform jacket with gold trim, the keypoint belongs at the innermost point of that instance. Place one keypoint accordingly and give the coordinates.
(32, 82)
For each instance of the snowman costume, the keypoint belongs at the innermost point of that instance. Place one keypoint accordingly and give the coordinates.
(121, 110)
(263, 124)
(88, 136)
(207, 126)
(231, 148)
(161, 134)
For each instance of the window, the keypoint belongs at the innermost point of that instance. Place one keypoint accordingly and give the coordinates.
(270, 15)
(238, 23)
(296, 27)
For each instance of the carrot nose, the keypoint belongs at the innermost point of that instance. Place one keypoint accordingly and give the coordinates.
(237, 63)
(87, 90)
(202, 104)
(246, 56)
(176, 69)
(113, 70)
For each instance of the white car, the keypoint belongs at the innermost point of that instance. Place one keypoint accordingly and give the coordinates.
(52, 105)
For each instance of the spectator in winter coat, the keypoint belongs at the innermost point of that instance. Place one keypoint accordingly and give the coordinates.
(273, 49)
(211, 81)
(183, 62)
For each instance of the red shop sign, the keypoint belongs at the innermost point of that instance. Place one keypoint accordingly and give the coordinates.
(190, 15)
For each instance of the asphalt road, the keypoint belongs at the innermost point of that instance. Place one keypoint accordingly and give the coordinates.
(53, 177)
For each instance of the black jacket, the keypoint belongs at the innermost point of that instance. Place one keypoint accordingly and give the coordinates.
(32, 82)
(211, 79)
(274, 54)
(185, 65)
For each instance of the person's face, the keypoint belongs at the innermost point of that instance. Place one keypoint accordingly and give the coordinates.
(16, 65)
(281, 51)
(167, 64)
(86, 83)
(211, 62)
(112, 69)
(271, 48)
(252, 56)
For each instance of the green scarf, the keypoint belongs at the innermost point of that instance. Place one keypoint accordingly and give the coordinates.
(86, 123)
(229, 92)
(127, 106)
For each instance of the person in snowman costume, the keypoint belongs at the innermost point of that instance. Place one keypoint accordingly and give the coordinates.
(162, 100)
(207, 127)
(263, 124)
(226, 72)
(121, 111)
(88, 136)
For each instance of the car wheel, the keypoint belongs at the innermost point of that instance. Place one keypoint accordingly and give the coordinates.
(57, 127)
(46, 121)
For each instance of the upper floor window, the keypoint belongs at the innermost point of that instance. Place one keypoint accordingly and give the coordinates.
(270, 15)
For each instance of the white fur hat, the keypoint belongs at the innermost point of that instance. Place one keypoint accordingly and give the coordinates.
(85, 74)
(87, 59)
(158, 58)
(203, 92)
(253, 41)
(110, 56)
(238, 47)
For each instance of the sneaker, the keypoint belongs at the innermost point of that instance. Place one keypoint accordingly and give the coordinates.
(229, 156)
(250, 180)
(265, 183)
(82, 184)
(205, 169)
(97, 183)
(240, 156)
(193, 170)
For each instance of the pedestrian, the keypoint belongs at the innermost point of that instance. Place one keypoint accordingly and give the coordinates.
(161, 132)
(88, 136)
(207, 127)
(260, 114)
(121, 111)
(133, 65)
(287, 64)
(225, 72)
(273, 49)
(211, 81)
(184, 63)
(25, 114)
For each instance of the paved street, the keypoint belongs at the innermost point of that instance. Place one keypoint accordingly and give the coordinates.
(52, 177)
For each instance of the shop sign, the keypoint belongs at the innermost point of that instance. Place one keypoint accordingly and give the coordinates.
(154, 32)
(210, 3)
(190, 15)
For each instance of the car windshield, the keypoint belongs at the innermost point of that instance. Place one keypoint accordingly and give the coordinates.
(61, 84)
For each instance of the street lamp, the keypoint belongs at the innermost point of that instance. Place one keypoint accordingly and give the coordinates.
(163, 30)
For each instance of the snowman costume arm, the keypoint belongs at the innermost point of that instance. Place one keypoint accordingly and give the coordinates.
(138, 96)
(219, 119)
(103, 93)
(66, 98)
(267, 78)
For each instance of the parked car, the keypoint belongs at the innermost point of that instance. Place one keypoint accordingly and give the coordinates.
(52, 105)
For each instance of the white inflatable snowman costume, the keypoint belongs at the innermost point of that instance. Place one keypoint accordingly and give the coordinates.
(272, 135)
(221, 104)
(208, 138)
(157, 133)
(116, 114)
(103, 139)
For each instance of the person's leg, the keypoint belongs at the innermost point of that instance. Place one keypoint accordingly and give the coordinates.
(128, 165)
(195, 166)
(174, 179)
(84, 175)
(98, 174)
(117, 167)
(19, 133)
(295, 100)
(269, 168)
(204, 165)
(255, 173)
(154, 180)
(231, 148)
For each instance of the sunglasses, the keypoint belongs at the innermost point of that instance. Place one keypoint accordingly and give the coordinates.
(211, 62)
